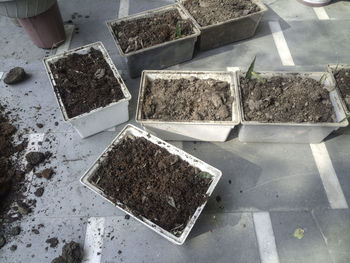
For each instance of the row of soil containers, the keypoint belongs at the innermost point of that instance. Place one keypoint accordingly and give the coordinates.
(167, 36)
(205, 105)
(158, 184)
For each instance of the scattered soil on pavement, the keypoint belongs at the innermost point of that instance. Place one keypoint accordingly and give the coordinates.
(210, 12)
(342, 78)
(71, 253)
(286, 99)
(153, 183)
(52, 241)
(187, 99)
(147, 32)
(85, 82)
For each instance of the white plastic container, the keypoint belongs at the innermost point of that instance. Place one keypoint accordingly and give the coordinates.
(101, 118)
(132, 130)
(289, 132)
(331, 69)
(189, 130)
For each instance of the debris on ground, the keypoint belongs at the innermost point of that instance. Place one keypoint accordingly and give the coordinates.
(52, 241)
(71, 253)
(15, 75)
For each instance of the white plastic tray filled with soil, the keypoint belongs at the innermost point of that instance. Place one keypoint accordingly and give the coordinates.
(341, 77)
(90, 92)
(188, 105)
(222, 22)
(289, 107)
(155, 39)
(156, 183)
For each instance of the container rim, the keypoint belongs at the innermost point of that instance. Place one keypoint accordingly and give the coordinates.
(234, 92)
(130, 129)
(183, 14)
(259, 3)
(331, 69)
(343, 123)
(99, 45)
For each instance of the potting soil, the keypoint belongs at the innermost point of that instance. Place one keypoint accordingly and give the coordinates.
(153, 183)
(210, 12)
(85, 82)
(342, 78)
(150, 31)
(187, 99)
(286, 99)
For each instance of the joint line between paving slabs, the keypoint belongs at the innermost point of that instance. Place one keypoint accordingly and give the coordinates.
(94, 240)
(281, 43)
(321, 13)
(123, 8)
(69, 34)
(265, 237)
(328, 176)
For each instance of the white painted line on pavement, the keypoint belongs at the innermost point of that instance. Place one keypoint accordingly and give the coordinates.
(328, 176)
(94, 239)
(281, 43)
(321, 13)
(123, 8)
(69, 33)
(1, 73)
(265, 237)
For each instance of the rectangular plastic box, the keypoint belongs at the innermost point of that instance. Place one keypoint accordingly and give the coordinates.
(289, 132)
(189, 130)
(100, 119)
(132, 130)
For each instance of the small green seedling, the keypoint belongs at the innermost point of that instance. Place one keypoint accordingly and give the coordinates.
(178, 30)
(323, 77)
(251, 72)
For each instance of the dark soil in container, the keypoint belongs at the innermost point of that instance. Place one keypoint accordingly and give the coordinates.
(153, 183)
(85, 82)
(286, 99)
(342, 78)
(150, 31)
(187, 99)
(211, 12)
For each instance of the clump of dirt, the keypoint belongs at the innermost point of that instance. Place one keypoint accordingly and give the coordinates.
(15, 75)
(85, 82)
(36, 158)
(210, 12)
(71, 253)
(46, 173)
(187, 99)
(286, 99)
(52, 241)
(150, 31)
(153, 183)
(342, 78)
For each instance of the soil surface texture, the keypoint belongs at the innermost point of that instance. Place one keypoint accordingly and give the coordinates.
(150, 31)
(153, 183)
(291, 99)
(85, 82)
(15, 75)
(342, 78)
(211, 12)
(187, 99)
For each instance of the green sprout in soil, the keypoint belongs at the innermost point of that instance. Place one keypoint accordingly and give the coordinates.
(323, 77)
(251, 72)
(178, 30)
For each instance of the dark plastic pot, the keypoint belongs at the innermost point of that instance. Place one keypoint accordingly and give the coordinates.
(46, 30)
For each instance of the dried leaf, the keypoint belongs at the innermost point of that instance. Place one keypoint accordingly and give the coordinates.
(299, 233)
(171, 201)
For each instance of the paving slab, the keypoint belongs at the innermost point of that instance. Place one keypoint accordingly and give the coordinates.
(334, 226)
(204, 244)
(311, 248)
